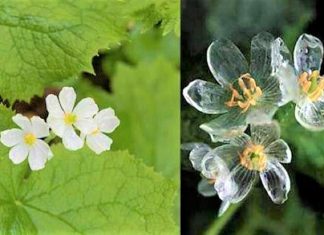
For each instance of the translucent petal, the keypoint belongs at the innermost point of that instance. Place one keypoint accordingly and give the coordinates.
(22, 121)
(279, 150)
(310, 114)
(53, 106)
(11, 137)
(206, 97)
(261, 47)
(18, 153)
(98, 142)
(283, 69)
(71, 140)
(213, 166)
(106, 120)
(39, 127)
(238, 184)
(308, 53)
(206, 188)
(197, 152)
(262, 114)
(276, 181)
(226, 126)
(223, 208)
(56, 124)
(265, 134)
(86, 108)
(67, 99)
(226, 62)
(241, 140)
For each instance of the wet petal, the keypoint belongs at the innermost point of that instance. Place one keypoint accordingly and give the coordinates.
(261, 47)
(226, 61)
(283, 69)
(262, 114)
(213, 166)
(223, 208)
(197, 152)
(241, 140)
(310, 114)
(308, 53)
(206, 97)
(276, 181)
(98, 142)
(22, 121)
(39, 127)
(106, 120)
(86, 108)
(86, 126)
(11, 137)
(56, 124)
(206, 188)
(265, 134)
(18, 153)
(226, 126)
(271, 93)
(67, 99)
(238, 184)
(71, 140)
(279, 150)
(53, 106)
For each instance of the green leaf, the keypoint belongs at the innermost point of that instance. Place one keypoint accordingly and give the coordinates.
(49, 41)
(81, 193)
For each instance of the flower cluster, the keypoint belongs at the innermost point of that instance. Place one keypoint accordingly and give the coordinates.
(248, 96)
(75, 124)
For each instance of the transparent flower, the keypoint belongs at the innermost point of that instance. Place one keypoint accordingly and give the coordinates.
(246, 157)
(244, 94)
(63, 117)
(301, 80)
(27, 142)
(106, 122)
(212, 168)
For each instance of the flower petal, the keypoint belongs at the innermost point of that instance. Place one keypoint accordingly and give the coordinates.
(237, 185)
(37, 157)
(86, 108)
(262, 114)
(228, 153)
(22, 121)
(18, 153)
(198, 151)
(310, 114)
(11, 137)
(241, 140)
(226, 61)
(206, 188)
(265, 134)
(39, 127)
(67, 99)
(106, 120)
(86, 125)
(226, 126)
(279, 150)
(223, 208)
(98, 142)
(308, 53)
(276, 181)
(206, 97)
(53, 106)
(44, 147)
(213, 166)
(71, 140)
(261, 47)
(56, 124)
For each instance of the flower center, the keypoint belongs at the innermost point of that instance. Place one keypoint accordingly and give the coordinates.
(254, 158)
(312, 84)
(248, 95)
(29, 139)
(96, 131)
(70, 118)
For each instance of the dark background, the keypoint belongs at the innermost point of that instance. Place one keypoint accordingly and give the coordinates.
(239, 20)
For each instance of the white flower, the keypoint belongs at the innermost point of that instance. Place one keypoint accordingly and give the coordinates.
(63, 117)
(106, 122)
(26, 142)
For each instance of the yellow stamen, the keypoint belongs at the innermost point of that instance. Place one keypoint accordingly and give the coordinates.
(250, 93)
(29, 139)
(312, 84)
(253, 157)
(70, 118)
(96, 131)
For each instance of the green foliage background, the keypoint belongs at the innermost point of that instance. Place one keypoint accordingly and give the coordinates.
(124, 54)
